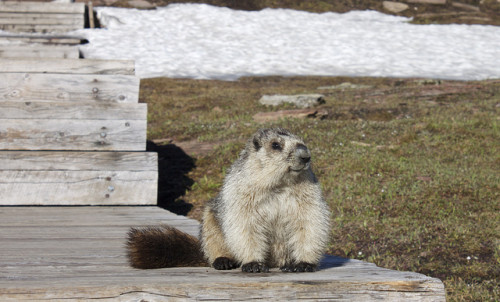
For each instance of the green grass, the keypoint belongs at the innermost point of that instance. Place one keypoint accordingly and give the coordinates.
(409, 168)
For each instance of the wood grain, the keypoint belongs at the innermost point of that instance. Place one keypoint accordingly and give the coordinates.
(67, 126)
(39, 51)
(40, 28)
(36, 17)
(54, 39)
(72, 66)
(78, 178)
(68, 87)
(78, 264)
(45, 7)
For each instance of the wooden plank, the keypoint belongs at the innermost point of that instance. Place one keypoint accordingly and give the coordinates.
(77, 161)
(45, 7)
(45, 39)
(78, 178)
(33, 17)
(39, 28)
(68, 87)
(39, 51)
(73, 66)
(67, 126)
(42, 19)
(90, 10)
(73, 269)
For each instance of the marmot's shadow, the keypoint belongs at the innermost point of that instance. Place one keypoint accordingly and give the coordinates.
(173, 166)
(330, 261)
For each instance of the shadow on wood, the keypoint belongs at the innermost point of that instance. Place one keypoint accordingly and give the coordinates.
(173, 166)
(78, 254)
(332, 261)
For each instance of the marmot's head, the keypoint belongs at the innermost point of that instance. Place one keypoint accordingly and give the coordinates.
(277, 154)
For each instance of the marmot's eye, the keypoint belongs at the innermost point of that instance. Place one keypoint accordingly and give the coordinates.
(276, 146)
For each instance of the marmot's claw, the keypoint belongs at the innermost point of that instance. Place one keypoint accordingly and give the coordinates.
(223, 263)
(255, 267)
(298, 268)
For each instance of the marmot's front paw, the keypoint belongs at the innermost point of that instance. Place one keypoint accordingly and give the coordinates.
(298, 268)
(255, 267)
(224, 263)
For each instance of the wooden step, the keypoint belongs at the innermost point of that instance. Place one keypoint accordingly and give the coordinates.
(78, 178)
(39, 51)
(36, 17)
(77, 253)
(40, 28)
(45, 7)
(69, 87)
(73, 126)
(51, 39)
(72, 66)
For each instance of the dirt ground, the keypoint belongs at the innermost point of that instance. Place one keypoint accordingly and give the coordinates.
(460, 12)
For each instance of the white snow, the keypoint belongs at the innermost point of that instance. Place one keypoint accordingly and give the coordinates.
(206, 42)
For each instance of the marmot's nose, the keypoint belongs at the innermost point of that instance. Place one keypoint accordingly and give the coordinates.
(305, 159)
(303, 153)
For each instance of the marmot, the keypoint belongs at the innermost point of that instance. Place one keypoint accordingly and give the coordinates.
(269, 213)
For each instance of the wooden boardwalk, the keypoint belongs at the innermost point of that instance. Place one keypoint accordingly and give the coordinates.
(72, 135)
(77, 253)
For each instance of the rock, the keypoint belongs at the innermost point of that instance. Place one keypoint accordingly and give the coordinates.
(466, 6)
(344, 86)
(394, 7)
(428, 82)
(427, 1)
(263, 117)
(301, 100)
(143, 4)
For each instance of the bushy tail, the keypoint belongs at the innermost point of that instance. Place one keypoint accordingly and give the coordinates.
(163, 246)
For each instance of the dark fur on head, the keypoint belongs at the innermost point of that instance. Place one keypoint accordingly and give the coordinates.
(163, 246)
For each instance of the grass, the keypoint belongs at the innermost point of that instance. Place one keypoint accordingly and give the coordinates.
(410, 168)
(478, 11)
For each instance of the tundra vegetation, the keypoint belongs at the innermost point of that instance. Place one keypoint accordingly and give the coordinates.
(409, 167)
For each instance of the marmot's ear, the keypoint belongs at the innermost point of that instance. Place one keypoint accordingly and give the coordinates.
(258, 137)
(256, 143)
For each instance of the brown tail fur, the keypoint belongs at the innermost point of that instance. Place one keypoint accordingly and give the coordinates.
(163, 246)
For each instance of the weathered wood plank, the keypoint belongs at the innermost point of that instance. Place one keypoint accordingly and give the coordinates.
(41, 22)
(72, 181)
(51, 17)
(68, 87)
(73, 111)
(42, 19)
(77, 161)
(39, 51)
(66, 126)
(85, 135)
(45, 7)
(100, 271)
(73, 66)
(83, 217)
(40, 28)
(45, 39)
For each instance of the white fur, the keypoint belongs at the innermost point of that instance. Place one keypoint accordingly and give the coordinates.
(271, 207)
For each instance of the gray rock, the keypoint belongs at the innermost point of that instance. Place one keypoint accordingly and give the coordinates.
(141, 4)
(300, 100)
(344, 86)
(394, 7)
(427, 1)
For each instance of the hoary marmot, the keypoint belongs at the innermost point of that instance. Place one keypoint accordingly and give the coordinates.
(269, 213)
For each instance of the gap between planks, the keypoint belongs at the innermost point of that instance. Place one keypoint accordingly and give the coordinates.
(100, 271)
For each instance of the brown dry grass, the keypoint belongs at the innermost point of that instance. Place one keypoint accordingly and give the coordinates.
(409, 167)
